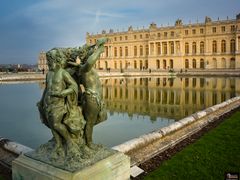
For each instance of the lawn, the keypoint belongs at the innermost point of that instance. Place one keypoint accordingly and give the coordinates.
(215, 153)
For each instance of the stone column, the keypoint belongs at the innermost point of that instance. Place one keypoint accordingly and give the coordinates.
(237, 49)
(154, 49)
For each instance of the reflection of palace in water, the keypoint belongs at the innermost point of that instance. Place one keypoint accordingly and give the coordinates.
(166, 97)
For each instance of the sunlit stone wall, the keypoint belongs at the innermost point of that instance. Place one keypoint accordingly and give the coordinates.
(208, 45)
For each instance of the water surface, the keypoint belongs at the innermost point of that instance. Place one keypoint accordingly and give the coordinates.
(135, 106)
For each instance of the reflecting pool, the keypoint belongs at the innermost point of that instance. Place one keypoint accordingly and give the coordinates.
(135, 106)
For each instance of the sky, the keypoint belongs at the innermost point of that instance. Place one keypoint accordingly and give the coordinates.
(28, 27)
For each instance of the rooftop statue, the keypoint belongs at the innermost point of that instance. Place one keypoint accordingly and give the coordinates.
(69, 111)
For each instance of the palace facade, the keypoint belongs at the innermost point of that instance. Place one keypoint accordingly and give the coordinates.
(208, 45)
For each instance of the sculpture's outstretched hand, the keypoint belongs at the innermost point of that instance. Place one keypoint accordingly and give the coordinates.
(101, 41)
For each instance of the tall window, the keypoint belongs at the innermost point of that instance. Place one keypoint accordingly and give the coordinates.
(171, 47)
(164, 64)
(194, 48)
(147, 50)
(158, 64)
(223, 29)
(232, 28)
(214, 46)
(146, 64)
(223, 46)
(232, 46)
(106, 51)
(186, 48)
(164, 48)
(202, 66)
(120, 51)
(214, 29)
(135, 50)
(201, 47)
(201, 31)
(158, 48)
(135, 64)
(141, 50)
(186, 64)
(126, 51)
(115, 51)
(194, 63)
(171, 63)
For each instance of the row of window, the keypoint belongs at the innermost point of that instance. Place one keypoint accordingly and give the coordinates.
(169, 64)
(172, 49)
(214, 47)
(215, 29)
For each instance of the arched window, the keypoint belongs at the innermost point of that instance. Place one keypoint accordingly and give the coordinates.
(120, 64)
(171, 63)
(232, 63)
(223, 63)
(214, 63)
(214, 46)
(186, 64)
(106, 64)
(232, 46)
(158, 48)
(115, 65)
(164, 64)
(146, 64)
(223, 46)
(194, 48)
(202, 47)
(141, 50)
(147, 50)
(186, 48)
(158, 64)
(171, 48)
(202, 66)
(164, 48)
(135, 50)
(194, 63)
(141, 64)
(106, 51)
(126, 64)
(135, 64)
(120, 52)
(115, 52)
(126, 51)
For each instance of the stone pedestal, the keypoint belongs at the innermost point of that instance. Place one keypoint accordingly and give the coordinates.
(116, 166)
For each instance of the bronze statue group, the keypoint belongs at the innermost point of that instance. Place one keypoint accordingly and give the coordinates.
(72, 102)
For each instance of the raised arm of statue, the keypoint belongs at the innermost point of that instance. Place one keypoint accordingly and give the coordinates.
(99, 48)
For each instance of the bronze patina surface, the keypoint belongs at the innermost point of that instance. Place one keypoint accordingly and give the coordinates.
(70, 106)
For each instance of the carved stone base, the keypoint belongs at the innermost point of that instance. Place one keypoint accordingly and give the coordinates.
(116, 166)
